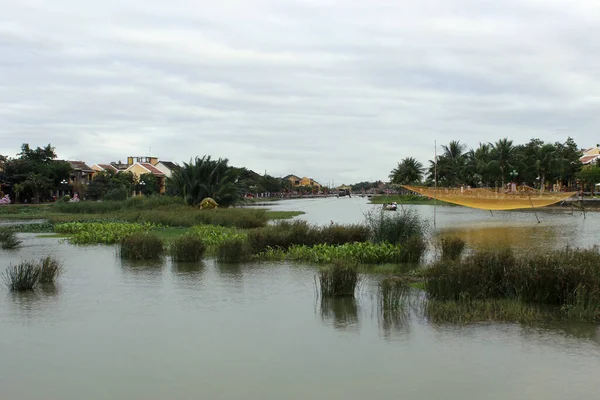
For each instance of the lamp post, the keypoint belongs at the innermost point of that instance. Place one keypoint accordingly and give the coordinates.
(64, 184)
(142, 186)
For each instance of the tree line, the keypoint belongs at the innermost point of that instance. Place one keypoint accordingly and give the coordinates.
(536, 164)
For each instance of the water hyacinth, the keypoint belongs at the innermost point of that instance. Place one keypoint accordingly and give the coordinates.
(100, 232)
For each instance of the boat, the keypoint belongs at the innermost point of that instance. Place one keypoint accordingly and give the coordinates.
(390, 207)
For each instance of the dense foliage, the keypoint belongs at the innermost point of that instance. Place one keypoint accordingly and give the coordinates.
(110, 185)
(100, 232)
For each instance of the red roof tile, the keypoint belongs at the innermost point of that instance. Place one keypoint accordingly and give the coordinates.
(152, 169)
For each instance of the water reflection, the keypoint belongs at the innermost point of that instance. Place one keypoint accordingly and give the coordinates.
(523, 237)
(188, 273)
(148, 270)
(340, 312)
(35, 302)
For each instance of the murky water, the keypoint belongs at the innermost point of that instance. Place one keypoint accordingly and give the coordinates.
(519, 229)
(117, 330)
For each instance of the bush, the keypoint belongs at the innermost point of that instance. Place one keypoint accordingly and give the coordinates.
(9, 239)
(116, 194)
(568, 278)
(285, 234)
(187, 247)
(393, 292)
(414, 249)
(358, 253)
(338, 280)
(142, 246)
(232, 250)
(396, 228)
(50, 268)
(21, 277)
(452, 248)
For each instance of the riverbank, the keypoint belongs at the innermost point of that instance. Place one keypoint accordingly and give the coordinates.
(406, 199)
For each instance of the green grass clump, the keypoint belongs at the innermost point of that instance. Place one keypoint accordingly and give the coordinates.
(286, 234)
(141, 246)
(472, 311)
(233, 250)
(9, 239)
(338, 280)
(50, 268)
(187, 247)
(100, 232)
(414, 249)
(214, 235)
(569, 279)
(452, 248)
(396, 228)
(22, 277)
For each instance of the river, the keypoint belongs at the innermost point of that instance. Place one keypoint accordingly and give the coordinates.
(115, 330)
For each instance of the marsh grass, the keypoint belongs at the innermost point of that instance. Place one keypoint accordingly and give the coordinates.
(568, 279)
(9, 239)
(188, 247)
(232, 250)
(286, 234)
(452, 248)
(142, 246)
(396, 228)
(414, 249)
(338, 280)
(50, 268)
(22, 277)
(394, 293)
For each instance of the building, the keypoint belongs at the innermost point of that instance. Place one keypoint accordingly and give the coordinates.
(81, 174)
(296, 181)
(104, 167)
(167, 167)
(590, 155)
(141, 168)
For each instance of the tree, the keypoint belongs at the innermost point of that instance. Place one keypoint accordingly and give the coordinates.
(109, 181)
(149, 186)
(503, 158)
(409, 171)
(589, 176)
(205, 177)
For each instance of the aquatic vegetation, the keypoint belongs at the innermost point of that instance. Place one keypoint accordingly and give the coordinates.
(100, 232)
(213, 235)
(286, 234)
(394, 293)
(452, 248)
(338, 280)
(414, 249)
(568, 278)
(396, 227)
(232, 250)
(9, 239)
(50, 268)
(141, 246)
(360, 253)
(188, 247)
(22, 277)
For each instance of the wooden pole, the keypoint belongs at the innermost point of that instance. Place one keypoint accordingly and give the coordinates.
(534, 212)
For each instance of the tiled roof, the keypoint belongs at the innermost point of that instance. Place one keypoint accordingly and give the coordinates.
(588, 159)
(152, 169)
(171, 165)
(107, 166)
(80, 165)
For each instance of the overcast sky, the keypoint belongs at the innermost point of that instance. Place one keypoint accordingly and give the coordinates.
(338, 90)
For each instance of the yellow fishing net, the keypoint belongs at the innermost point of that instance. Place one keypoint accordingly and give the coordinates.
(489, 199)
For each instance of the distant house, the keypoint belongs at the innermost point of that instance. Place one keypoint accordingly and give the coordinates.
(293, 179)
(297, 181)
(140, 168)
(80, 173)
(167, 167)
(590, 155)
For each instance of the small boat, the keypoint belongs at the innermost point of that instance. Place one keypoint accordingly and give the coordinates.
(390, 207)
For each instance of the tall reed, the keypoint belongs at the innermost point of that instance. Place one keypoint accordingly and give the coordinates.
(232, 250)
(452, 248)
(142, 246)
(338, 280)
(187, 247)
(9, 239)
(396, 228)
(22, 277)
(50, 268)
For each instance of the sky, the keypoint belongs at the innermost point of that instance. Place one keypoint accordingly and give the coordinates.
(337, 90)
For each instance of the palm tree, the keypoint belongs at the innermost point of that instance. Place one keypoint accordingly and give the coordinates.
(477, 164)
(545, 161)
(451, 164)
(205, 177)
(408, 172)
(503, 157)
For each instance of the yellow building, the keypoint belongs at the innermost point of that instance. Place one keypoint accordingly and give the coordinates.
(297, 181)
(140, 168)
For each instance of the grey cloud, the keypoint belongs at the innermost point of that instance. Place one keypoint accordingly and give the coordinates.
(336, 90)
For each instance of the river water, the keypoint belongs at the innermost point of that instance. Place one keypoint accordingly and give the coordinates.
(116, 330)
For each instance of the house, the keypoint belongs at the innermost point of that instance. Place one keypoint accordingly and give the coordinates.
(167, 167)
(140, 168)
(590, 155)
(80, 173)
(296, 181)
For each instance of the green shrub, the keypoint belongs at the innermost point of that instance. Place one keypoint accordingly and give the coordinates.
(414, 249)
(21, 277)
(338, 280)
(118, 194)
(141, 246)
(50, 268)
(213, 235)
(396, 228)
(232, 250)
(452, 248)
(187, 247)
(9, 239)
(358, 253)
